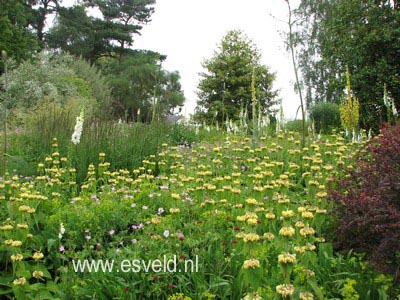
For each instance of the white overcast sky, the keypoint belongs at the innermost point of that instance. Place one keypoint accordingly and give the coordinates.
(189, 31)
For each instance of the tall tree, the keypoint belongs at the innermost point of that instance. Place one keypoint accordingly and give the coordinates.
(43, 8)
(15, 37)
(125, 17)
(140, 85)
(109, 34)
(361, 34)
(225, 87)
(79, 34)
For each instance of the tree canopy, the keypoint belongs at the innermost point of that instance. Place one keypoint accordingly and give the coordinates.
(225, 86)
(363, 35)
(141, 87)
(138, 87)
(15, 36)
(107, 35)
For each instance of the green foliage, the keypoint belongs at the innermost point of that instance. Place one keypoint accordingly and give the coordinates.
(206, 202)
(124, 18)
(361, 34)
(326, 116)
(142, 89)
(93, 37)
(96, 85)
(51, 79)
(15, 37)
(79, 34)
(294, 125)
(225, 86)
(181, 135)
(354, 277)
(126, 145)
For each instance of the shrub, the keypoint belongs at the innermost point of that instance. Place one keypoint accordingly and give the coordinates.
(368, 203)
(295, 125)
(182, 135)
(326, 116)
(53, 79)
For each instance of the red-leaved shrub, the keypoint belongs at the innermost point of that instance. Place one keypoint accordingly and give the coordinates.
(368, 203)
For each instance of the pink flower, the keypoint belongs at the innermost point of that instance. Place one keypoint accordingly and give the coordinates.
(62, 249)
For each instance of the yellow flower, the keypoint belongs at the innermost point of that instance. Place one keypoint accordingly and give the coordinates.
(252, 221)
(19, 281)
(301, 209)
(37, 274)
(299, 249)
(37, 256)
(241, 218)
(285, 289)
(17, 257)
(175, 196)
(236, 191)
(287, 231)
(240, 235)
(174, 210)
(286, 258)
(307, 230)
(16, 244)
(22, 226)
(24, 208)
(315, 168)
(269, 236)
(6, 227)
(252, 296)
(310, 247)
(270, 216)
(308, 273)
(155, 221)
(156, 237)
(287, 213)
(251, 201)
(251, 237)
(307, 215)
(306, 296)
(251, 263)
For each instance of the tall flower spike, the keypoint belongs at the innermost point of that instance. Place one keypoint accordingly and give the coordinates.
(76, 136)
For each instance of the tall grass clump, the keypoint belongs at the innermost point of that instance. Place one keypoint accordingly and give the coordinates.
(126, 145)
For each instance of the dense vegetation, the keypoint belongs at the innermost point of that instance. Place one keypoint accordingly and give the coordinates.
(90, 169)
(254, 213)
(363, 35)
